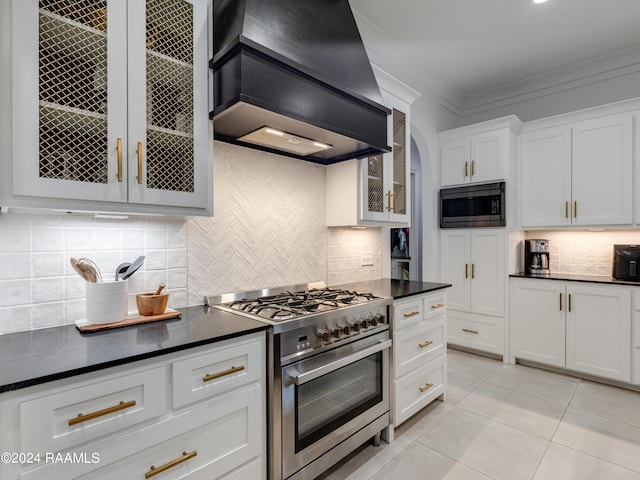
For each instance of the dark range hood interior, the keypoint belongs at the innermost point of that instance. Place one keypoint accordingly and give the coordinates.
(298, 67)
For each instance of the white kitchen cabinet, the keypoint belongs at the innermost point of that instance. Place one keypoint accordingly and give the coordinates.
(477, 154)
(580, 326)
(110, 105)
(160, 425)
(375, 191)
(537, 321)
(474, 262)
(419, 330)
(635, 345)
(578, 173)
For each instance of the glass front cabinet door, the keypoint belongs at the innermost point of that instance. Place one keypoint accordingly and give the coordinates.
(110, 101)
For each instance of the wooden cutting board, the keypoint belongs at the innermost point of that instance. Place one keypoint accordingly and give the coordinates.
(133, 319)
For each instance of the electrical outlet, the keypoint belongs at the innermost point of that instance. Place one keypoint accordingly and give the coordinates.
(367, 259)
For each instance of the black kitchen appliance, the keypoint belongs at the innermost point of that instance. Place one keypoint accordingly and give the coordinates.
(473, 206)
(626, 262)
(536, 257)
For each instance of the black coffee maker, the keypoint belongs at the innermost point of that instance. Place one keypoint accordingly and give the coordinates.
(536, 257)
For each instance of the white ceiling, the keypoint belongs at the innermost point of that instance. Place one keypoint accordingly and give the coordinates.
(480, 46)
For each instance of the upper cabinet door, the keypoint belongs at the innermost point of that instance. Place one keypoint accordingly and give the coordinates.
(488, 156)
(545, 177)
(455, 159)
(168, 110)
(602, 171)
(69, 91)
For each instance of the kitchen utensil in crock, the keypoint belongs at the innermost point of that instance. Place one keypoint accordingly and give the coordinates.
(86, 270)
(91, 267)
(120, 269)
(159, 289)
(133, 268)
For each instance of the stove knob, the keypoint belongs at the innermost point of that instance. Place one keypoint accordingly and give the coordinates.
(346, 329)
(336, 332)
(355, 325)
(374, 320)
(365, 322)
(323, 334)
(378, 319)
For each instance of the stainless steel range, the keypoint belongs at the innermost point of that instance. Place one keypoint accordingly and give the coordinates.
(328, 372)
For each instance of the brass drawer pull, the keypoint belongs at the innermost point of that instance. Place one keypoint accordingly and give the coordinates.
(388, 200)
(119, 149)
(208, 377)
(139, 151)
(155, 471)
(475, 332)
(437, 305)
(466, 169)
(425, 388)
(575, 209)
(411, 314)
(425, 344)
(90, 416)
(566, 209)
(569, 302)
(473, 271)
(473, 167)
(466, 270)
(561, 302)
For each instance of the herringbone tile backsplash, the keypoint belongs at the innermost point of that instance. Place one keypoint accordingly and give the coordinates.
(269, 227)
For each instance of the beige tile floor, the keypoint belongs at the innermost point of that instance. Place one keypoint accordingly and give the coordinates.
(509, 422)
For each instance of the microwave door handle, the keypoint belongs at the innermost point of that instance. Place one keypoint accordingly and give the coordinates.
(341, 362)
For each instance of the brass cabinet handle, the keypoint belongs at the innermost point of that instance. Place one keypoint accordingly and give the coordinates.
(575, 209)
(425, 344)
(139, 177)
(466, 270)
(119, 148)
(475, 332)
(566, 209)
(208, 377)
(569, 302)
(393, 207)
(388, 201)
(155, 471)
(473, 167)
(437, 305)
(425, 388)
(90, 416)
(561, 302)
(411, 314)
(466, 169)
(473, 271)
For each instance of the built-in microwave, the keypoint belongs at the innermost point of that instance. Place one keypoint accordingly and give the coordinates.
(473, 206)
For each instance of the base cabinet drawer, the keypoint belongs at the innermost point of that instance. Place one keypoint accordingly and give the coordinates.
(79, 414)
(229, 435)
(417, 345)
(483, 336)
(202, 376)
(408, 312)
(419, 388)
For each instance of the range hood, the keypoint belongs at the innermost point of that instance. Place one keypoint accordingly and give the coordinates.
(292, 77)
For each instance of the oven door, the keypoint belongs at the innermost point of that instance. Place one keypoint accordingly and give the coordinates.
(329, 397)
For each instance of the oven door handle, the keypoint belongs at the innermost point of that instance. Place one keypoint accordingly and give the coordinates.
(341, 362)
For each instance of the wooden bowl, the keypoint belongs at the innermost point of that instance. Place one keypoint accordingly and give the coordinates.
(151, 304)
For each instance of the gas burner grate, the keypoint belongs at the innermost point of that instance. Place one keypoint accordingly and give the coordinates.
(288, 305)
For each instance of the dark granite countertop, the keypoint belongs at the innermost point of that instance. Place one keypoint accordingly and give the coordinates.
(39, 356)
(578, 278)
(387, 287)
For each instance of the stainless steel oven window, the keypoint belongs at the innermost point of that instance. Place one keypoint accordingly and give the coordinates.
(329, 401)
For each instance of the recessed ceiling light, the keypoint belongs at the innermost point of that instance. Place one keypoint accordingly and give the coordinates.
(538, 1)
